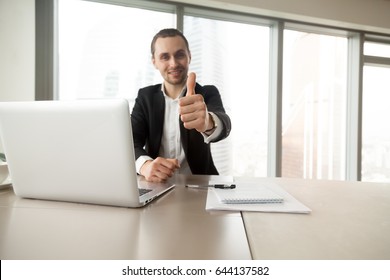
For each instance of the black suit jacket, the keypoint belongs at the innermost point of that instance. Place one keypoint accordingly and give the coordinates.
(147, 120)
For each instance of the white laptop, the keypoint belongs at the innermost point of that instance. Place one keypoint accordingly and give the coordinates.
(77, 151)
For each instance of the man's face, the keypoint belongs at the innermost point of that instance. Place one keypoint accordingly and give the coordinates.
(172, 59)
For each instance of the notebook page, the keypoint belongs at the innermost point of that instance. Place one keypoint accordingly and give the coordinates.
(254, 195)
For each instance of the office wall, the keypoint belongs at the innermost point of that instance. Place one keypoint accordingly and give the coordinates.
(17, 49)
(367, 15)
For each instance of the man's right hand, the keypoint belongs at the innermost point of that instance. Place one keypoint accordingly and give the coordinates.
(159, 169)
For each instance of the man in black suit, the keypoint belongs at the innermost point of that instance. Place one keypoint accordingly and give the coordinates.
(174, 122)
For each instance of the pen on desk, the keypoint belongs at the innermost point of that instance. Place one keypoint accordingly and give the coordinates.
(222, 186)
(217, 186)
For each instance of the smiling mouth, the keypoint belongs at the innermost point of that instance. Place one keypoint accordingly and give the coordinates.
(175, 72)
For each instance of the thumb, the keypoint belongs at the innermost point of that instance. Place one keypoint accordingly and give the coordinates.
(174, 161)
(191, 81)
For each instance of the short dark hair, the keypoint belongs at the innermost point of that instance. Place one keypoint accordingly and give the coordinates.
(168, 32)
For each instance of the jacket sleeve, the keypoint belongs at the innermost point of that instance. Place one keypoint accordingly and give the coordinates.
(147, 119)
(214, 104)
(139, 126)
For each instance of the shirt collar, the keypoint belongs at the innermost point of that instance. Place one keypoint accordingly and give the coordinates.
(183, 91)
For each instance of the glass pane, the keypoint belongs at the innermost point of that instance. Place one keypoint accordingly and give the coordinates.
(234, 57)
(314, 106)
(377, 49)
(104, 50)
(376, 127)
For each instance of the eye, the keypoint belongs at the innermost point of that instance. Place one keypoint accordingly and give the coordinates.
(164, 56)
(180, 55)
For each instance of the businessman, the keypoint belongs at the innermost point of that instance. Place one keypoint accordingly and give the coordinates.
(174, 122)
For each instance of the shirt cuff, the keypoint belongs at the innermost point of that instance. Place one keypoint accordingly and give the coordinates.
(216, 132)
(140, 161)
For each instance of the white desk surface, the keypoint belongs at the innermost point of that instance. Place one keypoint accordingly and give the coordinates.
(349, 220)
(175, 226)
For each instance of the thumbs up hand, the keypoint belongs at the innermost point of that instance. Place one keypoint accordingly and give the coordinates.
(191, 82)
(192, 108)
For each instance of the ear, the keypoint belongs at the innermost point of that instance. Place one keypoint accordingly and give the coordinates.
(154, 62)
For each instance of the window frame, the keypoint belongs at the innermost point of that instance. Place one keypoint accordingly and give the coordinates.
(369, 60)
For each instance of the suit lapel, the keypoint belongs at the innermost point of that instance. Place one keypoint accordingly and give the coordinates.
(157, 115)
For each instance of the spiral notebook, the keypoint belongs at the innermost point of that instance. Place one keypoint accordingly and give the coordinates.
(259, 195)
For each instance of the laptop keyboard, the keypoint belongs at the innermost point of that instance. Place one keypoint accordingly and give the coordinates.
(143, 191)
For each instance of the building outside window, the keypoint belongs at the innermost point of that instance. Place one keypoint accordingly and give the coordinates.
(314, 106)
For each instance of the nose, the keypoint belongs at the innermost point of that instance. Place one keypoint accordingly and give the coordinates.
(173, 61)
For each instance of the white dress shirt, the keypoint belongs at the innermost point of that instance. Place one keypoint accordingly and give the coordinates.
(171, 146)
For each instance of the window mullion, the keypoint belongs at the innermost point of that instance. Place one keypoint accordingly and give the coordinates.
(180, 17)
(275, 101)
(354, 108)
(45, 78)
(376, 61)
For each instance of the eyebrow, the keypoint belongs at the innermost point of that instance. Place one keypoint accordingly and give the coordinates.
(177, 52)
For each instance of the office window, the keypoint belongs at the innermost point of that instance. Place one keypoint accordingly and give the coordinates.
(377, 49)
(376, 125)
(104, 50)
(235, 58)
(314, 106)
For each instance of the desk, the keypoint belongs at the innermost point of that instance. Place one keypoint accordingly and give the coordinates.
(175, 226)
(349, 220)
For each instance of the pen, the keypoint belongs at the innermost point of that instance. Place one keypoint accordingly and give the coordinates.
(217, 186)
(223, 186)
